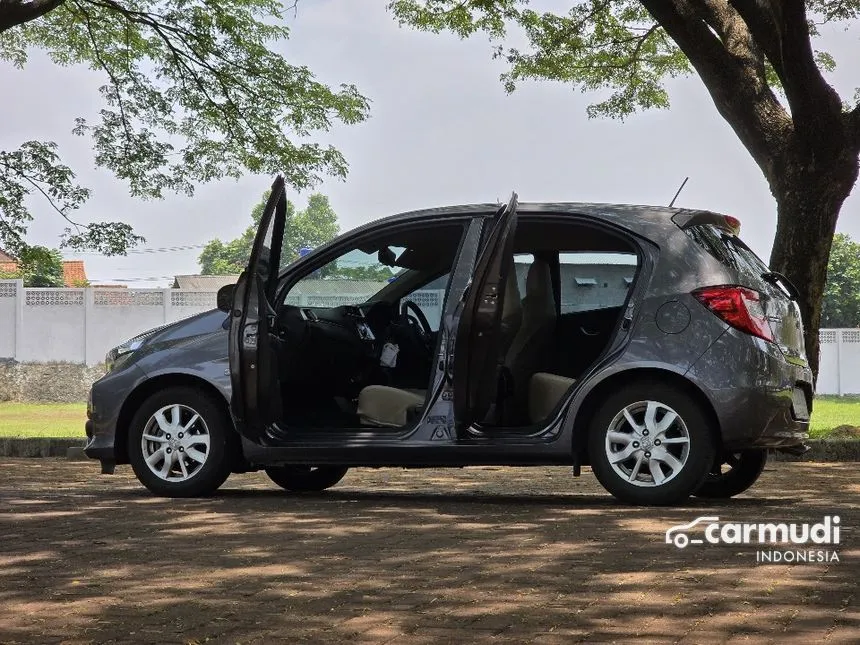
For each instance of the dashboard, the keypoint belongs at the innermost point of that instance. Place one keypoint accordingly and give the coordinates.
(332, 346)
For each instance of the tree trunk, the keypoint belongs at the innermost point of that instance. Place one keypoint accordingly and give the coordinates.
(809, 199)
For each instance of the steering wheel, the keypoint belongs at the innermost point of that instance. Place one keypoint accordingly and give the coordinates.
(410, 311)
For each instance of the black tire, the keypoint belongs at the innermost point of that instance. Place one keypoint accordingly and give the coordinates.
(693, 458)
(207, 475)
(744, 469)
(306, 479)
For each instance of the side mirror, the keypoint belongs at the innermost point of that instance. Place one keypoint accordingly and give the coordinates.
(225, 298)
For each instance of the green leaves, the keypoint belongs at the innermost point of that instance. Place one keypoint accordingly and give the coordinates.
(605, 46)
(311, 227)
(35, 169)
(600, 46)
(841, 303)
(614, 48)
(39, 266)
(462, 18)
(194, 91)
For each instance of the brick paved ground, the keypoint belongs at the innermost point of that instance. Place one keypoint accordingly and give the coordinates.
(475, 555)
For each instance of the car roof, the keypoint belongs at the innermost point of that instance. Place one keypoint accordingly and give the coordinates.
(635, 217)
(652, 222)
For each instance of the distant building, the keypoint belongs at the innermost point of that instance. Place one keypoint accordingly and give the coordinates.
(7, 263)
(74, 272)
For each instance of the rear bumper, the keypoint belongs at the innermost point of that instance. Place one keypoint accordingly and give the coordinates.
(760, 399)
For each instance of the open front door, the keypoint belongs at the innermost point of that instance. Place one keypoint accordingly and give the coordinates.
(477, 350)
(252, 355)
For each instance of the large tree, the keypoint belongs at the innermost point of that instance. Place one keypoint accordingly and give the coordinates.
(193, 91)
(307, 228)
(756, 58)
(841, 303)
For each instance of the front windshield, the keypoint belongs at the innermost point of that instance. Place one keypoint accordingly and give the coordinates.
(351, 279)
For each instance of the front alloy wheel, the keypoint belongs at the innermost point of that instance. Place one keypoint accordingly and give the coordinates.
(177, 443)
(650, 444)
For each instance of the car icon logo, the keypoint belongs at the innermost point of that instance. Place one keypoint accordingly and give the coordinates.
(677, 535)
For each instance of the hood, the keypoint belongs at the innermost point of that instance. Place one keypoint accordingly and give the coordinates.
(206, 323)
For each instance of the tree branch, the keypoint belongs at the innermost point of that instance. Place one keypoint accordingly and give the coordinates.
(735, 35)
(17, 12)
(733, 78)
(782, 30)
(51, 201)
(761, 26)
(129, 139)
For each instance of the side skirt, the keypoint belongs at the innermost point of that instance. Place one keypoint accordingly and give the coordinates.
(413, 455)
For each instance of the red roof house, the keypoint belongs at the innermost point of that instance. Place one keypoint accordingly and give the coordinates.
(74, 273)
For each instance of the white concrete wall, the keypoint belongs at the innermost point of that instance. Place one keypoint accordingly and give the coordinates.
(839, 371)
(81, 325)
(8, 314)
(51, 326)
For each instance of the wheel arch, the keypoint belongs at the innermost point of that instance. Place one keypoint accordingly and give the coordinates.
(591, 403)
(161, 382)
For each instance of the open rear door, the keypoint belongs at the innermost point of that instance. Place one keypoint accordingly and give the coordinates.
(252, 354)
(477, 350)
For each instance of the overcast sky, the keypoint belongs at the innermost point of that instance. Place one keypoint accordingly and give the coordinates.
(442, 131)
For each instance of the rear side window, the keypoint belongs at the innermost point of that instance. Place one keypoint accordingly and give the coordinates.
(592, 281)
(728, 250)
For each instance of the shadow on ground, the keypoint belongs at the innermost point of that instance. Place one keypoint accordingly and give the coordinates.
(484, 554)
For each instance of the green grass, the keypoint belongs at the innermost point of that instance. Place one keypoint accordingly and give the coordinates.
(42, 419)
(831, 412)
(67, 419)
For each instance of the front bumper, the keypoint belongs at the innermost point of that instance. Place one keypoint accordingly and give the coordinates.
(104, 406)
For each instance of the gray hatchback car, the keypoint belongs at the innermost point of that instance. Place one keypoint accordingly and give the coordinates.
(649, 343)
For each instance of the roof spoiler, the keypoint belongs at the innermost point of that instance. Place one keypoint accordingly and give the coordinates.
(686, 218)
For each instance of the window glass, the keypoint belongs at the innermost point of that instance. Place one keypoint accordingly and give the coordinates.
(351, 279)
(729, 250)
(595, 280)
(431, 300)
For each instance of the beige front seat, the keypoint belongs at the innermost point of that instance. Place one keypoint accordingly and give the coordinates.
(530, 350)
(545, 392)
(390, 407)
(380, 405)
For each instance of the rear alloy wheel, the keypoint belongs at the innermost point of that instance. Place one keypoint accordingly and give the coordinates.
(306, 479)
(734, 474)
(650, 444)
(177, 443)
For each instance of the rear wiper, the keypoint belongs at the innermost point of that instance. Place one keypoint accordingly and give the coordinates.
(776, 278)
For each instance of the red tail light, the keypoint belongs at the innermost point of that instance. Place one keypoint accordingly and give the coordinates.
(738, 306)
